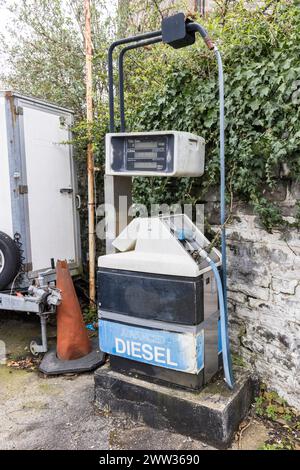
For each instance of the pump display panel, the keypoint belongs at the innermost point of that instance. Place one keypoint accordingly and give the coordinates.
(158, 153)
(142, 154)
(145, 153)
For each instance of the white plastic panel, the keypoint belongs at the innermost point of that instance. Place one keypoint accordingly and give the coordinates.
(5, 197)
(154, 248)
(48, 166)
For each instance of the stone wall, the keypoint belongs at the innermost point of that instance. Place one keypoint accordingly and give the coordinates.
(264, 298)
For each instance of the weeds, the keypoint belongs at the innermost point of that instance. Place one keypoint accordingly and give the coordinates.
(286, 423)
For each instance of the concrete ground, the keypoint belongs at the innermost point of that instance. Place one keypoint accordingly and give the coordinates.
(58, 412)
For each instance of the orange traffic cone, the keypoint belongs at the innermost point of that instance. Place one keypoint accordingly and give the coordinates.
(72, 338)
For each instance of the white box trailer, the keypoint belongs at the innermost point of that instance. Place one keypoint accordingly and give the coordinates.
(38, 195)
(39, 220)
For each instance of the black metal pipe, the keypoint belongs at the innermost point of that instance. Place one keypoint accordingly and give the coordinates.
(204, 34)
(190, 27)
(139, 39)
(121, 74)
(128, 40)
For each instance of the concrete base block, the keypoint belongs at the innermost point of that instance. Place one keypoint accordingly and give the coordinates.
(211, 415)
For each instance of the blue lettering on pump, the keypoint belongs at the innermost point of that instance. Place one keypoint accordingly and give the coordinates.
(178, 351)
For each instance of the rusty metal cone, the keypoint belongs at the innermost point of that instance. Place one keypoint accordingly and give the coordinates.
(72, 337)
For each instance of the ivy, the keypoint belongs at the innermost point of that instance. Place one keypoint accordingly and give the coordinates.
(168, 89)
(260, 50)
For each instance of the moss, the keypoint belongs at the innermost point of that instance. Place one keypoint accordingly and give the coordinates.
(49, 388)
(238, 360)
(216, 387)
(11, 381)
(35, 405)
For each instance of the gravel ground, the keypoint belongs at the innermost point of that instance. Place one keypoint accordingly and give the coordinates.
(58, 412)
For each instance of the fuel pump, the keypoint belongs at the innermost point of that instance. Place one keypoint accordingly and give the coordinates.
(162, 300)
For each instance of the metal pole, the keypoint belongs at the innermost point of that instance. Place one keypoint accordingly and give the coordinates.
(90, 155)
(43, 320)
(144, 43)
(111, 49)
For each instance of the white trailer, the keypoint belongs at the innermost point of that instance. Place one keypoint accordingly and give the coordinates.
(39, 220)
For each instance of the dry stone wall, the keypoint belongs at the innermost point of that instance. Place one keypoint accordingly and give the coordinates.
(264, 297)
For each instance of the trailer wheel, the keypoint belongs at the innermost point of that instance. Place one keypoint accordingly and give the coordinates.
(10, 260)
(35, 343)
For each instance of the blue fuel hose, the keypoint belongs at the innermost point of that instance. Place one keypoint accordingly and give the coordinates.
(222, 285)
(227, 365)
(222, 172)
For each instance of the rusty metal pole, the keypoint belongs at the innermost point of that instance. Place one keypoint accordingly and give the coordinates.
(90, 155)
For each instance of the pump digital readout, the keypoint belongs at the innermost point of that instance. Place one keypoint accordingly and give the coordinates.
(145, 153)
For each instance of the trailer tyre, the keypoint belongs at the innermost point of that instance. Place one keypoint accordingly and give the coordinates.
(10, 260)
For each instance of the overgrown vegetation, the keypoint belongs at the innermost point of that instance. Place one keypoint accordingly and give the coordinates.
(285, 420)
(45, 54)
(167, 89)
(260, 50)
(268, 404)
(90, 314)
(283, 445)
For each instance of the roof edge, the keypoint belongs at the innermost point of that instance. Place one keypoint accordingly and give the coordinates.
(32, 99)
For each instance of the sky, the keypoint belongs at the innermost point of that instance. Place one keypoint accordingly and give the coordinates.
(6, 18)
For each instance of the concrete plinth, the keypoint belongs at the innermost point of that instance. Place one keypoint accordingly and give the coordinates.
(211, 415)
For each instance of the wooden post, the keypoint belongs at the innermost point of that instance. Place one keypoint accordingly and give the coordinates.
(90, 156)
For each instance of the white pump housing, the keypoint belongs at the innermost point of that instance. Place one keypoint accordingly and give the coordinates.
(151, 245)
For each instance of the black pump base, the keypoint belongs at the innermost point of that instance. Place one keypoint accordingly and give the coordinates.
(159, 375)
(211, 415)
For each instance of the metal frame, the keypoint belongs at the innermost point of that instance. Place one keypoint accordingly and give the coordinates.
(25, 304)
(111, 49)
(115, 186)
(144, 43)
(16, 157)
(112, 184)
(36, 101)
(139, 40)
(20, 304)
